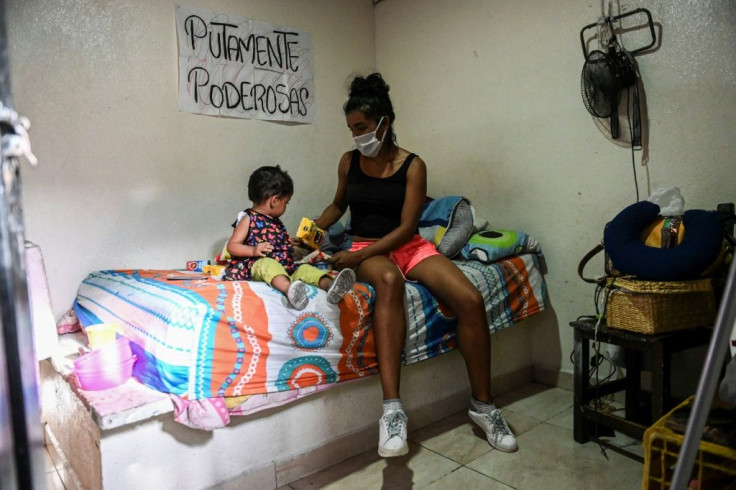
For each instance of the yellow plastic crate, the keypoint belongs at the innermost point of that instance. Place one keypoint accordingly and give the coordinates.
(714, 468)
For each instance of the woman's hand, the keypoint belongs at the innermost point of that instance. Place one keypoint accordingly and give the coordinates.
(345, 260)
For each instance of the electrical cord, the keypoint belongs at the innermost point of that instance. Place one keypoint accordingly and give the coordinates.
(599, 358)
(631, 135)
(596, 367)
(634, 138)
(600, 298)
(604, 293)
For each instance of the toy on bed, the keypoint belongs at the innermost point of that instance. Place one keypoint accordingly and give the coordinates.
(212, 344)
(310, 234)
(449, 223)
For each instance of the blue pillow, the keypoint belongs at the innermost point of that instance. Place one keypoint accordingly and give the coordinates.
(448, 223)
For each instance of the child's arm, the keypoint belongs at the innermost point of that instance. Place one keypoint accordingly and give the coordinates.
(236, 246)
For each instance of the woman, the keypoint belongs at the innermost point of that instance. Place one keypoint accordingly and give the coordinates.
(385, 187)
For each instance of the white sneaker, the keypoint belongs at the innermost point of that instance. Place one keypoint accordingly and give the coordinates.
(297, 295)
(341, 285)
(497, 430)
(392, 434)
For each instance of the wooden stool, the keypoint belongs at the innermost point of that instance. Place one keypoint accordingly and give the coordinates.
(636, 418)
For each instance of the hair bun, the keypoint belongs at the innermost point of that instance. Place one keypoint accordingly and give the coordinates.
(371, 86)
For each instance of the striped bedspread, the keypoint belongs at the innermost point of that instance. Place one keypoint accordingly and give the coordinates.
(200, 338)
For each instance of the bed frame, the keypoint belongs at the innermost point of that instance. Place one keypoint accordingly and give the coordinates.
(143, 447)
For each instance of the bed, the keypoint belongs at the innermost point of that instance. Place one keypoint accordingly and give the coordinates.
(211, 344)
(230, 358)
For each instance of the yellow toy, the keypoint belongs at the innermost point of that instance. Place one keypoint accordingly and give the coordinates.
(310, 234)
(213, 270)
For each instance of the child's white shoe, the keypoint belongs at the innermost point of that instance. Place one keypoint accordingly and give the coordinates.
(341, 285)
(297, 295)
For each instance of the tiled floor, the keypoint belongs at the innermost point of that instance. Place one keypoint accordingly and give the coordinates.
(453, 453)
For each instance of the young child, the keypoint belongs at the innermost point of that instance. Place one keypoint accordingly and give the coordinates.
(260, 246)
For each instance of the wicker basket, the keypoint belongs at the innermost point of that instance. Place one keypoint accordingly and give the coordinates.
(651, 307)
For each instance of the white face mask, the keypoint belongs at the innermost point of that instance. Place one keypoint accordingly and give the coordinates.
(368, 144)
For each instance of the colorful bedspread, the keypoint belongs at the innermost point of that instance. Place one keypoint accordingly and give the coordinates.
(209, 341)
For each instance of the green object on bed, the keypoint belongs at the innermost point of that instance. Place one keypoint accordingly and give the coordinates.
(491, 245)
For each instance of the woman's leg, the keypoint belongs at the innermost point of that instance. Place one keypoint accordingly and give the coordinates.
(450, 286)
(389, 319)
(389, 331)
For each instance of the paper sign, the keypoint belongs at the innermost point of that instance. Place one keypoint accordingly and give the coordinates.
(238, 67)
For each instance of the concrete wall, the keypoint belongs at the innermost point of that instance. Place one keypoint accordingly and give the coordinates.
(488, 93)
(125, 179)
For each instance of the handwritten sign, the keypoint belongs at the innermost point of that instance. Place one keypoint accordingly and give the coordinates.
(237, 67)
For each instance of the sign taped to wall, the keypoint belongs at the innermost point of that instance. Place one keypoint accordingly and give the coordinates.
(238, 67)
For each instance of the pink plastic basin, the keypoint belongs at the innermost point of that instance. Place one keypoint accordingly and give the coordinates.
(106, 376)
(106, 356)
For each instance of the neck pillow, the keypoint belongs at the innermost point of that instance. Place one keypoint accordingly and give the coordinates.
(699, 248)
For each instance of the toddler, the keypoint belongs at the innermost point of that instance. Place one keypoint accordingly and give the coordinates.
(260, 246)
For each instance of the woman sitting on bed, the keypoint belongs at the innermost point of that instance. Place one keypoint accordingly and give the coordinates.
(384, 186)
(261, 248)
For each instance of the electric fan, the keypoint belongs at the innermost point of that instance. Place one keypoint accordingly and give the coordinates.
(610, 70)
(603, 78)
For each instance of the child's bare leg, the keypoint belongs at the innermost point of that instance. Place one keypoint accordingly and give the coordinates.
(336, 287)
(325, 282)
(281, 283)
(272, 272)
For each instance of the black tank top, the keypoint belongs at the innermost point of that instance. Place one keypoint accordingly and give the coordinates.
(375, 203)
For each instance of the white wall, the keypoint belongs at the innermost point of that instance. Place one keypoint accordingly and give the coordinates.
(126, 180)
(488, 93)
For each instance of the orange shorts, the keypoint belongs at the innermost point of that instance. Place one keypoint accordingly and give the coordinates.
(408, 255)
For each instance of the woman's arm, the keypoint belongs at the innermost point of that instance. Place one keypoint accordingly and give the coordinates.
(339, 204)
(236, 246)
